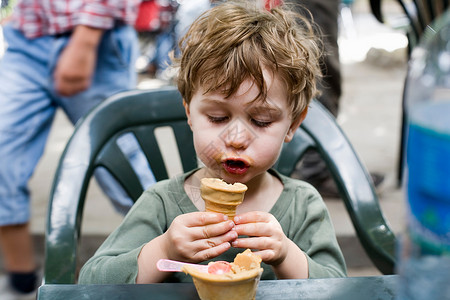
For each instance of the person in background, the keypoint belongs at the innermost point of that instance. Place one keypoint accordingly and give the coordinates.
(5, 7)
(68, 54)
(325, 15)
(187, 12)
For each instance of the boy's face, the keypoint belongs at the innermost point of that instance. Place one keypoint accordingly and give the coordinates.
(237, 138)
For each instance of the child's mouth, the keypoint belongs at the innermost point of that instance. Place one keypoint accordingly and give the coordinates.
(235, 166)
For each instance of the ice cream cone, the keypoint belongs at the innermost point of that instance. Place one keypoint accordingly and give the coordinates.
(222, 197)
(241, 286)
(241, 283)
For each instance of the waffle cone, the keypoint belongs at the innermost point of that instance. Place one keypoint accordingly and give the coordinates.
(241, 283)
(222, 197)
(242, 286)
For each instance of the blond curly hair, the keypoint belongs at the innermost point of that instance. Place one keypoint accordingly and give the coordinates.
(235, 41)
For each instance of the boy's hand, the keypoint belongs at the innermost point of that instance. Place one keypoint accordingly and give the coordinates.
(265, 235)
(199, 236)
(76, 64)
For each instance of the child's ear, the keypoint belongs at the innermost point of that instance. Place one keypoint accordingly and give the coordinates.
(294, 125)
(188, 112)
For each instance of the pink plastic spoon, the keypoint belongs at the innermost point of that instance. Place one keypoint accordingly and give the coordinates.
(218, 267)
(167, 265)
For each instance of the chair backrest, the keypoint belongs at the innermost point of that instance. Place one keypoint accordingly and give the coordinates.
(321, 132)
(139, 112)
(94, 144)
(420, 14)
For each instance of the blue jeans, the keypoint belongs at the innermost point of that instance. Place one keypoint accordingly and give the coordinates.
(28, 103)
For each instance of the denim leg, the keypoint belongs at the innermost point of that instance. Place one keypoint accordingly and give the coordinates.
(115, 72)
(26, 113)
(164, 44)
(130, 147)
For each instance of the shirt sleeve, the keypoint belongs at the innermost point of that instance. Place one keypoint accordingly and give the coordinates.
(105, 13)
(116, 260)
(315, 235)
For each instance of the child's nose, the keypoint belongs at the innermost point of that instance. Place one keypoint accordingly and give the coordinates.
(238, 135)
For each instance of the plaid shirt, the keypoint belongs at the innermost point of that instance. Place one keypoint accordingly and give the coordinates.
(48, 17)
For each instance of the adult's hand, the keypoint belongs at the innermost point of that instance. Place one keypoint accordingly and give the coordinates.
(76, 64)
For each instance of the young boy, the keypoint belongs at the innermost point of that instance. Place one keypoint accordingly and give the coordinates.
(246, 77)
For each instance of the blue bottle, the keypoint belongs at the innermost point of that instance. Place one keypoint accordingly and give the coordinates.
(424, 251)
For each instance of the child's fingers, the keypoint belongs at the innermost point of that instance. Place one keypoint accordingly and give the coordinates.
(213, 230)
(266, 255)
(208, 248)
(204, 218)
(253, 243)
(255, 229)
(212, 242)
(252, 217)
(211, 252)
(270, 250)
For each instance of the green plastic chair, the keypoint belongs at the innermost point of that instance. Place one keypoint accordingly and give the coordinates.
(141, 112)
(420, 14)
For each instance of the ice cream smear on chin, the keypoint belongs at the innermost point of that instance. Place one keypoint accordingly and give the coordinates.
(222, 197)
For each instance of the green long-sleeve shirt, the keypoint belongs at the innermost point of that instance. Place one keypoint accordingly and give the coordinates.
(300, 211)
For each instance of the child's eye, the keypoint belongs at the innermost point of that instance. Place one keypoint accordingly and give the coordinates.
(214, 119)
(261, 123)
